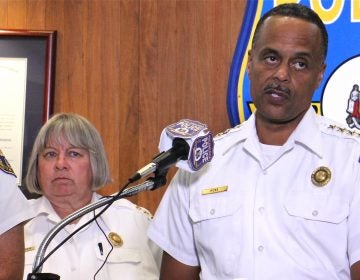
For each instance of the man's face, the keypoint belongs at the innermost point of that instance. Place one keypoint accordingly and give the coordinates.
(285, 67)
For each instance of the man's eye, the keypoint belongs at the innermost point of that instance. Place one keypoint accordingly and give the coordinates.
(299, 65)
(271, 59)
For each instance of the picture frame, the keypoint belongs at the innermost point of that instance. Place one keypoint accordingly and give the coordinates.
(36, 50)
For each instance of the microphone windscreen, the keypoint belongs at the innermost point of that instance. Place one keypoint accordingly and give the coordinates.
(199, 138)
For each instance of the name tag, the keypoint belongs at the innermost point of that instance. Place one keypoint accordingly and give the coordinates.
(214, 190)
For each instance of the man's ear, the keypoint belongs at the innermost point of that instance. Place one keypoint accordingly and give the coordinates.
(248, 66)
(321, 74)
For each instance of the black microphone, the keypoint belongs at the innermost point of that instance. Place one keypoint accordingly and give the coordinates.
(188, 144)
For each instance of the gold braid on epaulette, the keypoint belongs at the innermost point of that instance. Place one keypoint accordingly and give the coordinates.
(145, 211)
(5, 165)
(227, 130)
(344, 130)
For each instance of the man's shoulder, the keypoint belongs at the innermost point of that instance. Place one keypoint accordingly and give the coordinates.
(231, 133)
(334, 129)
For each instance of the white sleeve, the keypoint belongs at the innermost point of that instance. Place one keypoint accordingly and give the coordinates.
(171, 227)
(14, 207)
(354, 217)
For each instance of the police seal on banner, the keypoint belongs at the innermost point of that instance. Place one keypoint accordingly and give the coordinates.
(199, 138)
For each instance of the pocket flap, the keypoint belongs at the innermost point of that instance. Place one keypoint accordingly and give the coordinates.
(122, 255)
(317, 207)
(215, 205)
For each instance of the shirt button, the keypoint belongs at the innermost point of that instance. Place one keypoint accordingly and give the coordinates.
(212, 211)
(261, 210)
(315, 213)
(261, 248)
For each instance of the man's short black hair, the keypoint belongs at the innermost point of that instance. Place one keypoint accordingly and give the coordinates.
(296, 11)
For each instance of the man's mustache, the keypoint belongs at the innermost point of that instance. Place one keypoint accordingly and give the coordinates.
(277, 88)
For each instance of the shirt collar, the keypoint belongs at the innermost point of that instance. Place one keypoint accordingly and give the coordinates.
(307, 134)
(43, 207)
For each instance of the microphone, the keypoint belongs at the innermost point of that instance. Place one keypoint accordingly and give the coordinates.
(187, 143)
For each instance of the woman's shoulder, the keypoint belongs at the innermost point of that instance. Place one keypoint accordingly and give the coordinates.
(124, 204)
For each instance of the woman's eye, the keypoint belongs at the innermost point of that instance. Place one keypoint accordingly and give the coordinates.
(74, 154)
(49, 154)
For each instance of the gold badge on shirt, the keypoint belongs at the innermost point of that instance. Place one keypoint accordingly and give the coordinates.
(115, 239)
(321, 176)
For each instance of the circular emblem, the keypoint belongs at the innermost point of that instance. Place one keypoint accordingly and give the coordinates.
(341, 95)
(321, 176)
(115, 239)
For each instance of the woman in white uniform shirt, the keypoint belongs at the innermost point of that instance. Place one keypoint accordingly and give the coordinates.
(67, 165)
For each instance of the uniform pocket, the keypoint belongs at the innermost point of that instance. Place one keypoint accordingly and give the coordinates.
(324, 207)
(129, 263)
(122, 255)
(213, 206)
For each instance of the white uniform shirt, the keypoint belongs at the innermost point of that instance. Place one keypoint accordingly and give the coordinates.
(247, 215)
(82, 255)
(14, 207)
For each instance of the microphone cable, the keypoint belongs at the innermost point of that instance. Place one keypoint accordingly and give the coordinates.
(108, 254)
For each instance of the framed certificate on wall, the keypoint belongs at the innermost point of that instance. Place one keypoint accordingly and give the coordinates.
(27, 75)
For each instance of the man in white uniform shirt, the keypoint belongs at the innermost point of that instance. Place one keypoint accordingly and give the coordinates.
(14, 211)
(281, 197)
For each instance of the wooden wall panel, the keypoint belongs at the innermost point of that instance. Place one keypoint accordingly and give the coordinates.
(134, 66)
(127, 125)
(36, 14)
(17, 14)
(4, 14)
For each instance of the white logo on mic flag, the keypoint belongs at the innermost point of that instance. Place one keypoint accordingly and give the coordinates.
(199, 138)
(202, 151)
(185, 128)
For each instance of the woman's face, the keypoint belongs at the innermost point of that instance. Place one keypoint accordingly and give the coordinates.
(64, 173)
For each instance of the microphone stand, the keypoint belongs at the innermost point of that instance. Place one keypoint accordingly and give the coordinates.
(150, 184)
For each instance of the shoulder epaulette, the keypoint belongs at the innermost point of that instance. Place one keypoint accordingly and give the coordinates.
(223, 133)
(5, 165)
(144, 211)
(343, 131)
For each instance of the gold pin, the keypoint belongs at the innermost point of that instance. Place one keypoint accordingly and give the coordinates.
(29, 249)
(214, 190)
(115, 239)
(321, 176)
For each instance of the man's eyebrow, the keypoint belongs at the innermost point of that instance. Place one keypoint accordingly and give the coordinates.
(303, 54)
(268, 50)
